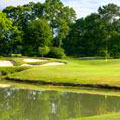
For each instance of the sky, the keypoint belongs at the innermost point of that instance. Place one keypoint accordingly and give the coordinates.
(82, 7)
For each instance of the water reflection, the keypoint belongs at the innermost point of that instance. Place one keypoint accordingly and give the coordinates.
(49, 105)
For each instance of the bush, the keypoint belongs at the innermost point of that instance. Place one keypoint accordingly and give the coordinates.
(42, 51)
(16, 55)
(57, 53)
(115, 54)
(30, 51)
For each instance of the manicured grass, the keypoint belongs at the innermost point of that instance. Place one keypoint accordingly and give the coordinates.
(92, 72)
(102, 117)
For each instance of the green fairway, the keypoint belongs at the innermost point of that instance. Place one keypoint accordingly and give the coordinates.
(102, 117)
(92, 72)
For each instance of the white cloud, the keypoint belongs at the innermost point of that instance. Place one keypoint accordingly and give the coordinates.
(82, 7)
(85, 7)
(4, 3)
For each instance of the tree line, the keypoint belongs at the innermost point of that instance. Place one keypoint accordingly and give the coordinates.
(51, 29)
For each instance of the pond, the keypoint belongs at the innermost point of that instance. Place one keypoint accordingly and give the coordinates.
(17, 104)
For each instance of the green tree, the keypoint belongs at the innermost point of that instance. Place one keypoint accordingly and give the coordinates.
(10, 37)
(5, 27)
(38, 34)
(20, 15)
(42, 51)
(60, 18)
(84, 38)
(63, 30)
(97, 34)
(109, 14)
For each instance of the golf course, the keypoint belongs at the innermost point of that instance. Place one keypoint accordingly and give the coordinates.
(94, 73)
(59, 60)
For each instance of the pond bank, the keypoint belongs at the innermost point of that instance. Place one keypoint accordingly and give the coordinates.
(88, 73)
(39, 82)
(48, 87)
(115, 116)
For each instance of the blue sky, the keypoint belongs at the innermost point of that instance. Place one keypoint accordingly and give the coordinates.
(82, 7)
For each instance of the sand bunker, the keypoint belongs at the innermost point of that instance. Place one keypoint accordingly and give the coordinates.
(5, 63)
(53, 64)
(47, 64)
(4, 85)
(34, 60)
(28, 65)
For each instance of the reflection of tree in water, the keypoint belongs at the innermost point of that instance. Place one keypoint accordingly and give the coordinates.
(42, 105)
(102, 109)
(9, 105)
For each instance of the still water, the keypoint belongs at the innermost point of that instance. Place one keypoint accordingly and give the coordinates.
(50, 105)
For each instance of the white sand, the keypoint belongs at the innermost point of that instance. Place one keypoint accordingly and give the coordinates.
(53, 64)
(34, 60)
(47, 64)
(4, 85)
(27, 65)
(5, 63)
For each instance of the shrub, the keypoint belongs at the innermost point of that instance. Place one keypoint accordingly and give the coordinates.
(30, 51)
(115, 54)
(16, 55)
(42, 51)
(57, 53)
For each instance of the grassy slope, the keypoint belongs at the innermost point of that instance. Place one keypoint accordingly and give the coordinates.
(18, 61)
(8, 70)
(77, 72)
(103, 117)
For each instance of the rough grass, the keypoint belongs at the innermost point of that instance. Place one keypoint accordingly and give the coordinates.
(115, 116)
(15, 60)
(93, 72)
(18, 61)
(8, 70)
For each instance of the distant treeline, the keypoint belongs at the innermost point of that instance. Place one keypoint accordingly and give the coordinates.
(51, 29)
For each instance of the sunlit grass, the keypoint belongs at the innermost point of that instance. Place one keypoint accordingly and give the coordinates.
(115, 116)
(95, 72)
